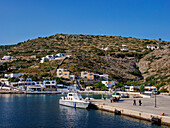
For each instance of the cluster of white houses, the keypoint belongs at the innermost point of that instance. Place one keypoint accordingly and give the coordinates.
(152, 47)
(147, 89)
(53, 57)
(29, 85)
(51, 85)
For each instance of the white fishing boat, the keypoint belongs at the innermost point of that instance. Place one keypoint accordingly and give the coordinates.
(74, 100)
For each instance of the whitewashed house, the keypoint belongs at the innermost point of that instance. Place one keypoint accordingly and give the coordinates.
(50, 57)
(53, 57)
(49, 85)
(60, 55)
(106, 49)
(4, 81)
(124, 49)
(151, 47)
(43, 60)
(12, 75)
(6, 58)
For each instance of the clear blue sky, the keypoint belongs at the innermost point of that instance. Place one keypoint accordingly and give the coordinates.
(21, 20)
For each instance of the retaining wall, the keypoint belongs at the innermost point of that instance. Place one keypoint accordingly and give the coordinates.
(140, 115)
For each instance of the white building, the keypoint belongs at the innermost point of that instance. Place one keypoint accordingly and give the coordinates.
(4, 81)
(12, 75)
(131, 88)
(60, 55)
(106, 49)
(104, 76)
(26, 83)
(108, 83)
(152, 47)
(43, 60)
(6, 58)
(60, 72)
(53, 57)
(124, 49)
(49, 85)
(123, 45)
(34, 88)
(50, 57)
(147, 89)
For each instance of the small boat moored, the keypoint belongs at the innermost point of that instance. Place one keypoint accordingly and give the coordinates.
(74, 100)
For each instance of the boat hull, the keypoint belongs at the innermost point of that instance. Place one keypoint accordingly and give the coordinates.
(74, 104)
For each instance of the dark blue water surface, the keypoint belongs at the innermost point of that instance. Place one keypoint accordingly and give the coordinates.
(34, 111)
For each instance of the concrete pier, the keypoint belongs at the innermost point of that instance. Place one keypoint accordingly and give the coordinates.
(147, 111)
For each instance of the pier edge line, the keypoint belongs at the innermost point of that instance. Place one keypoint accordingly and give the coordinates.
(135, 114)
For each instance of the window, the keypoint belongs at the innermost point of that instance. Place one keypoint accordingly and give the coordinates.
(65, 74)
(70, 95)
(47, 83)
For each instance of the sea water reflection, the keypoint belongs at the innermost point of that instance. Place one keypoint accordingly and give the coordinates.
(44, 111)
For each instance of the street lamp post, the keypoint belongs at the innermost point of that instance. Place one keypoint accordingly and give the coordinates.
(155, 93)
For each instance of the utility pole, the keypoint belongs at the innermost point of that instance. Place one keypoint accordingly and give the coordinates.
(155, 93)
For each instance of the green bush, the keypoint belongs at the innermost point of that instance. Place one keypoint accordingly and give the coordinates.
(13, 79)
(44, 74)
(164, 90)
(100, 86)
(142, 88)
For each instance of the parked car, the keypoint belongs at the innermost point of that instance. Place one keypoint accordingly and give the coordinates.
(124, 96)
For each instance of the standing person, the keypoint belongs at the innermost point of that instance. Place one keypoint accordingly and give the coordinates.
(134, 102)
(140, 102)
(111, 99)
(117, 99)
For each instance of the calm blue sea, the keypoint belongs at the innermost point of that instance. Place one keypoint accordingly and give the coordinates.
(43, 111)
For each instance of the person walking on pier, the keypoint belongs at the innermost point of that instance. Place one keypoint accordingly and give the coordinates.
(134, 102)
(140, 102)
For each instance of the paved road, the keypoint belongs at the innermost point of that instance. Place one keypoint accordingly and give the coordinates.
(148, 104)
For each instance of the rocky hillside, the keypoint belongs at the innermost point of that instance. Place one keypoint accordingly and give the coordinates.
(93, 53)
(156, 64)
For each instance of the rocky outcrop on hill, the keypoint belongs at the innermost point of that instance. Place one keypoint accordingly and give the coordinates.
(124, 68)
(156, 63)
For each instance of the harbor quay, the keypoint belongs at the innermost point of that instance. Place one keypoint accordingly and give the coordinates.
(146, 111)
(28, 92)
